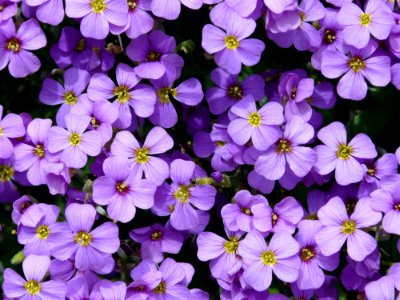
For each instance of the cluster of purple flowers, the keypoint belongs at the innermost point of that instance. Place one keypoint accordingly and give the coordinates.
(112, 152)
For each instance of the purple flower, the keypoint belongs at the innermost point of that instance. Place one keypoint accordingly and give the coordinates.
(46, 11)
(181, 198)
(224, 261)
(122, 190)
(231, 48)
(375, 20)
(260, 260)
(16, 46)
(11, 126)
(73, 143)
(341, 156)
(53, 93)
(238, 216)
(157, 141)
(258, 125)
(109, 290)
(279, 6)
(35, 268)
(9, 9)
(286, 152)
(170, 9)
(229, 90)
(156, 240)
(355, 66)
(311, 275)
(388, 202)
(155, 54)
(188, 92)
(338, 228)
(8, 191)
(381, 289)
(97, 15)
(76, 238)
(128, 93)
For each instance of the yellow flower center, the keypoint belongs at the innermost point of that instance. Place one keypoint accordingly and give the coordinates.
(1, 131)
(39, 151)
(232, 245)
(294, 91)
(349, 227)
(43, 232)
(274, 218)
(70, 98)
(164, 94)
(122, 94)
(122, 187)
(397, 206)
(153, 56)
(356, 64)
(161, 288)
(371, 171)
(182, 194)
(312, 216)
(171, 208)
(268, 258)
(132, 4)
(98, 6)
(329, 36)
(344, 151)
(13, 45)
(156, 235)
(246, 211)
(32, 287)
(365, 19)
(220, 144)
(6, 173)
(81, 45)
(283, 146)
(307, 254)
(235, 92)
(141, 155)
(254, 119)
(95, 124)
(231, 42)
(83, 238)
(75, 139)
(302, 16)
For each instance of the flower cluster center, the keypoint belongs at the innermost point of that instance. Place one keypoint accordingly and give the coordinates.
(43, 232)
(231, 42)
(122, 94)
(83, 238)
(32, 287)
(268, 258)
(397, 206)
(132, 4)
(39, 151)
(182, 194)
(365, 19)
(122, 187)
(153, 56)
(94, 122)
(255, 119)
(6, 173)
(307, 253)
(70, 98)
(349, 227)
(283, 146)
(75, 139)
(161, 288)
(235, 92)
(164, 94)
(81, 45)
(141, 155)
(156, 235)
(356, 64)
(329, 36)
(246, 211)
(14, 45)
(98, 6)
(274, 218)
(344, 151)
(232, 245)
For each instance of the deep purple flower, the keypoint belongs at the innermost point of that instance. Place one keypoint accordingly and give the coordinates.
(122, 190)
(15, 47)
(338, 228)
(35, 268)
(97, 15)
(261, 260)
(343, 157)
(11, 126)
(141, 157)
(231, 48)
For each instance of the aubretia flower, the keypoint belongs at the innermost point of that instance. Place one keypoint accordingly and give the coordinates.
(46, 11)
(155, 54)
(156, 240)
(231, 48)
(341, 156)
(338, 228)
(258, 125)
(157, 141)
(128, 93)
(381, 289)
(53, 93)
(17, 44)
(74, 143)
(11, 126)
(356, 66)
(261, 260)
(224, 261)
(8, 191)
(122, 190)
(97, 15)
(388, 202)
(35, 268)
(89, 247)
(287, 152)
(229, 90)
(375, 20)
(182, 197)
(170, 9)
(9, 9)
